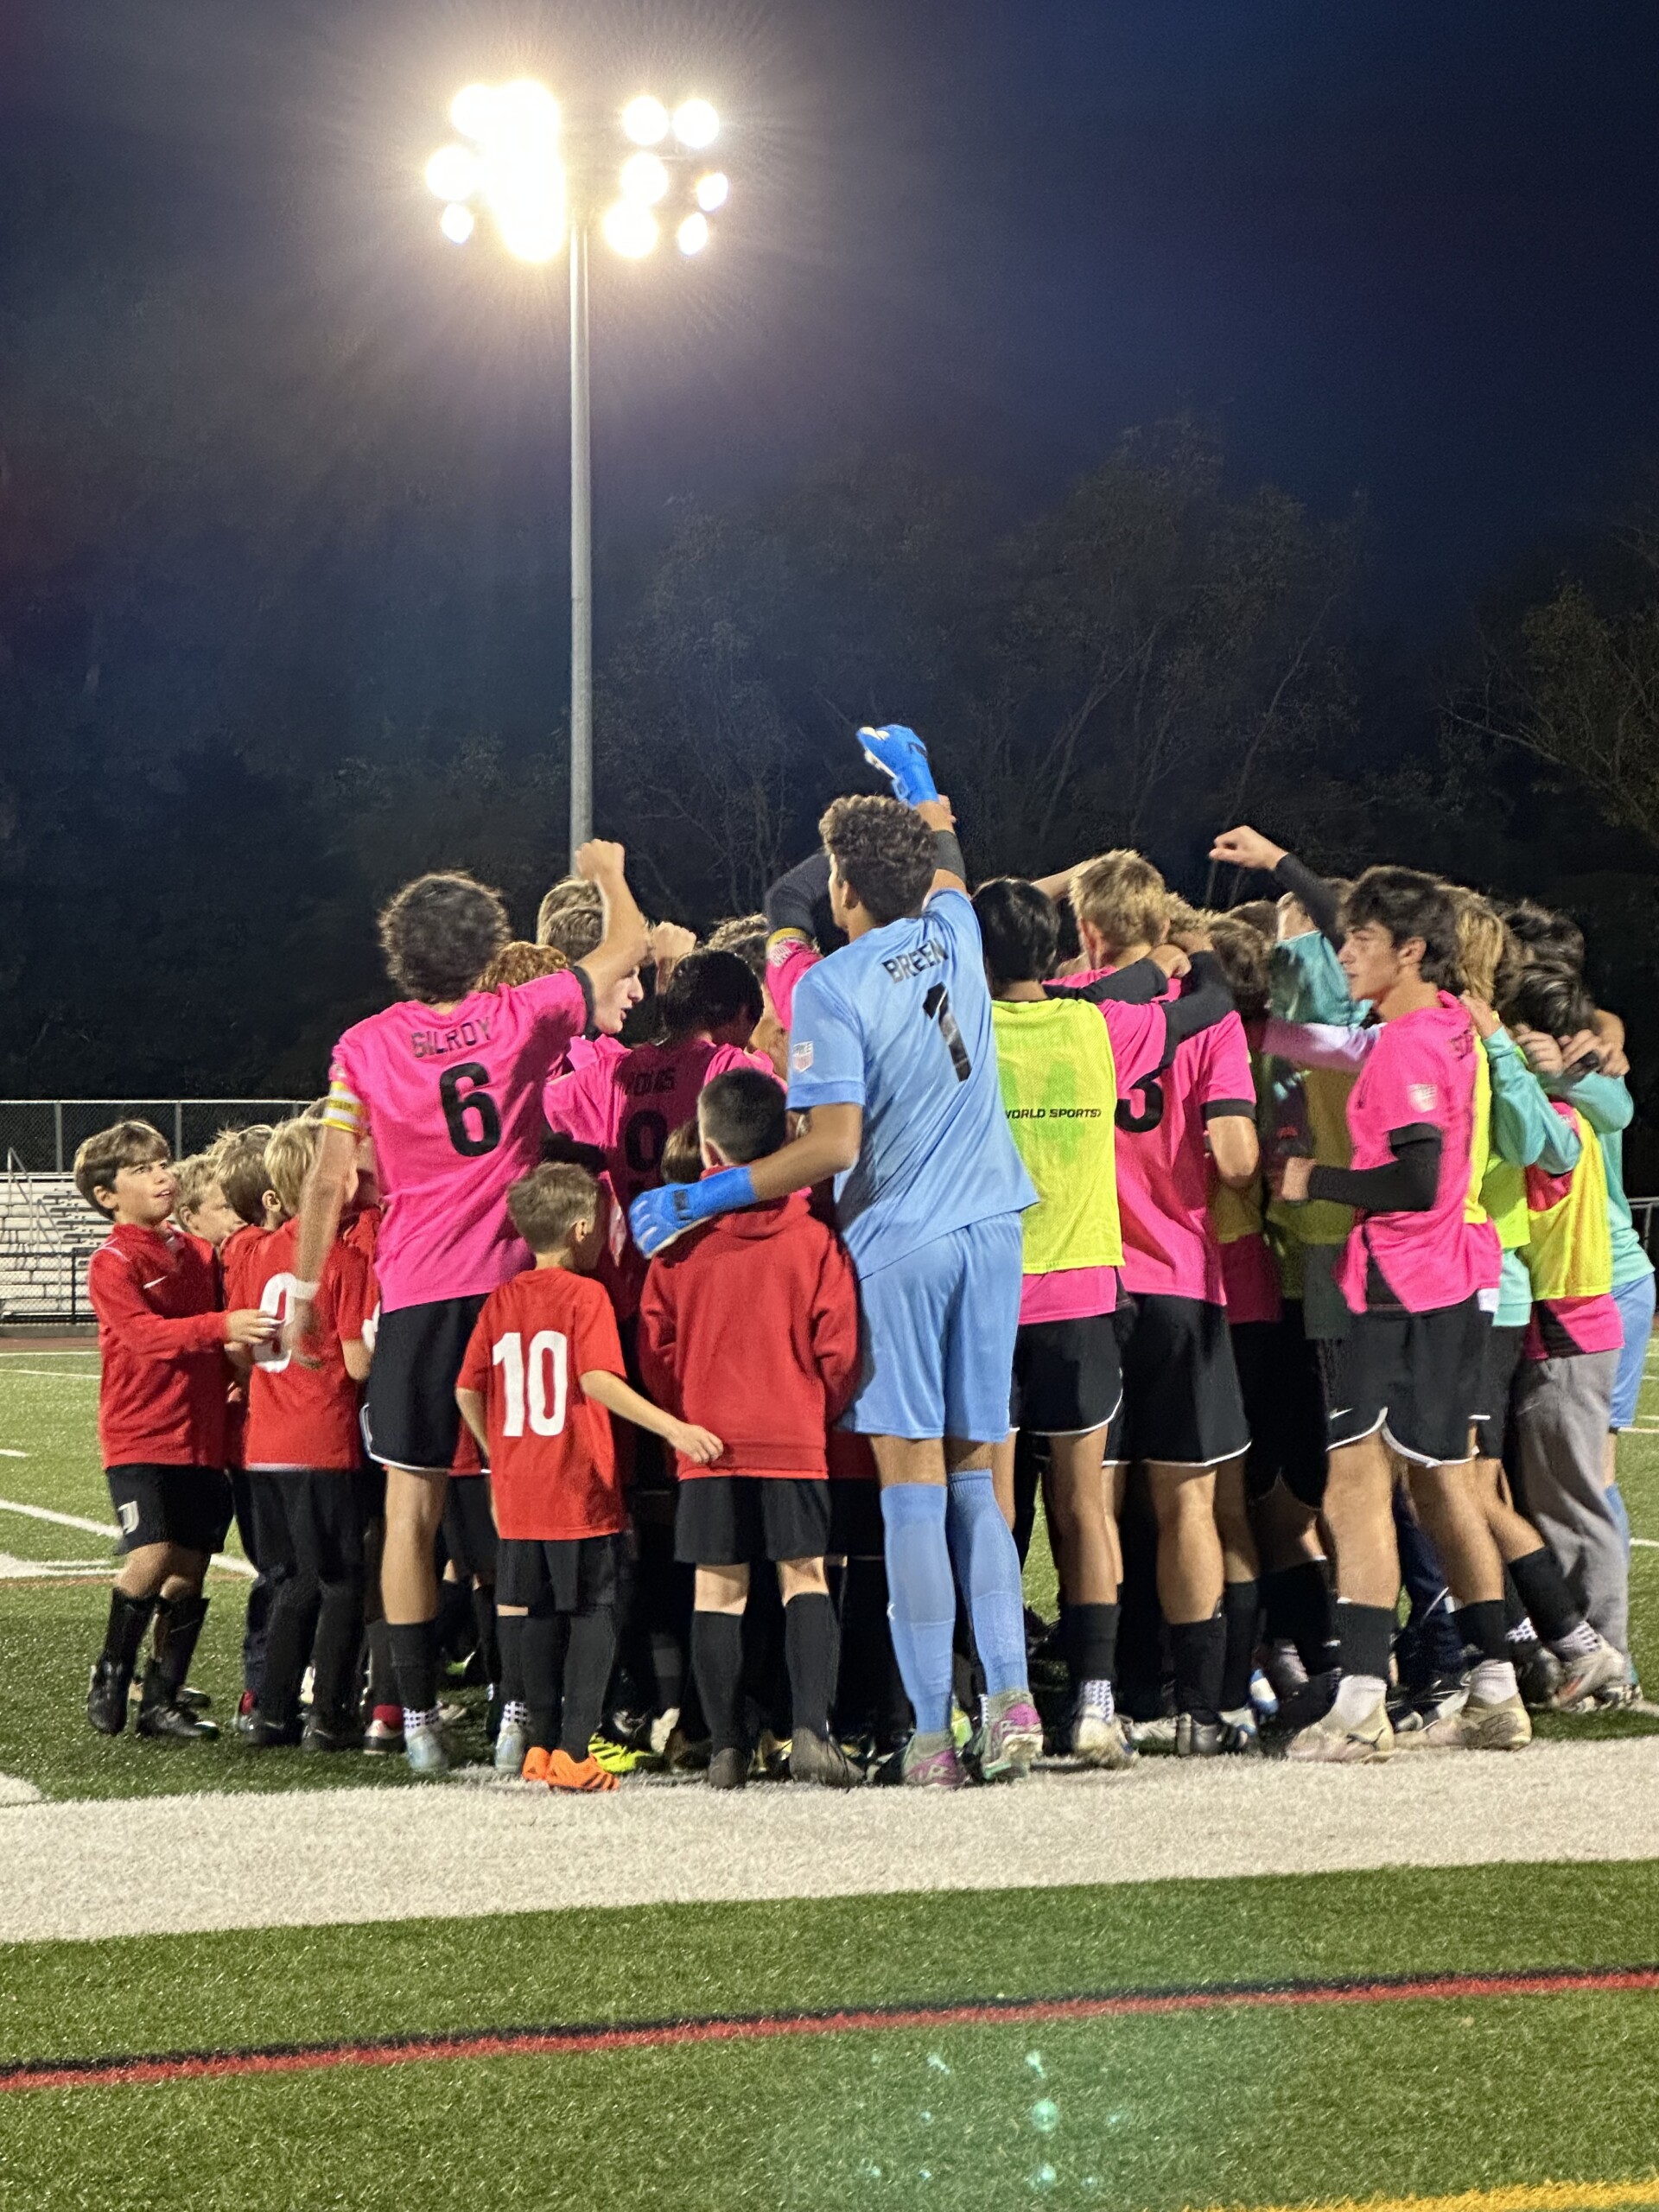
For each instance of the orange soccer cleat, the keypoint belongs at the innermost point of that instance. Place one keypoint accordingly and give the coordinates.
(535, 1766)
(562, 1772)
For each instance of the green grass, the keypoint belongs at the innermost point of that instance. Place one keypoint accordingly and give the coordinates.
(1221, 2107)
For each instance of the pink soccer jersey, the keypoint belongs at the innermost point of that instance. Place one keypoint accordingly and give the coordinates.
(1170, 1248)
(788, 958)
(627, 1106)
(453, 1104)
(1420, 1071)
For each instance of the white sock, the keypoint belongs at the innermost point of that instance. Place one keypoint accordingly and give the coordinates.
(1358, 1697)
(1096, 1697)
(1577, 1643)
(514, 1714)
(420, 1719)
(1492, 1681)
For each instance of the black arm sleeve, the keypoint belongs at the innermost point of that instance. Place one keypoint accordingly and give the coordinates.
(791, 901)
(1407, 1185)
(1138, 984)
(1313, 893)
(1206, 1001)
(947, 855)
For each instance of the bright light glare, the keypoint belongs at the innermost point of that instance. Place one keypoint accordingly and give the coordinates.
(694, 234)
(712, 191)
(644, 180)
(471, 110)
(456, 223)
(645, 121)
(516, 170)
(696, 124)
(454, 173)
(630, 229)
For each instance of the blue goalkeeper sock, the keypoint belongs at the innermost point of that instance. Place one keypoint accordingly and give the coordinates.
(921, 1599)
(987, 1567)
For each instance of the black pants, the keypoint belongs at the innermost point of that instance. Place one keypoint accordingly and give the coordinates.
(312, 1523)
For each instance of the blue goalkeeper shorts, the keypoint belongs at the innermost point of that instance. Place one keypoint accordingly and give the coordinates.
(937, 1331)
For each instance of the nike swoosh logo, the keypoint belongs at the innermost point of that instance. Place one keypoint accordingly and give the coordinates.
(154, 1280)
(1337, 1411)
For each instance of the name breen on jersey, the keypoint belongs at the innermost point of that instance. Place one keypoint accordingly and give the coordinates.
(434, 1044)
(902, 965)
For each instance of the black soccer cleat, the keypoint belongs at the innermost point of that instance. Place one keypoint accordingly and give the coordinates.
(728, 1770)
(261, 1734)
(325, 1734)
(821, 1760)
(164, 1722)
(106, 1696)
(1200, 1740)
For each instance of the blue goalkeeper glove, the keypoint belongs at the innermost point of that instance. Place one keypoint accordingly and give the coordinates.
(900, 755)
(657, 1218)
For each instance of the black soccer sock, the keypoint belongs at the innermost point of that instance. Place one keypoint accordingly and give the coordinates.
(455, 1630)
(717, 1662)
(129, 1619)
(1199, 1651)
(588, 1653)
(542, 1650)
(383, 1683)
(1484, 1629)
(486, 1646)
(811, 1647)
(178, 1631)
(414, 1663)
(1089, 1638)
(335, 1651)
(1365, 1638)
(510, 1635)
(1240, 1608)
(288, 1637)
(1543, 1589)
(1299, 1606)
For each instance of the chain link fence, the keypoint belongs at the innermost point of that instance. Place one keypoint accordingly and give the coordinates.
(42, 1135)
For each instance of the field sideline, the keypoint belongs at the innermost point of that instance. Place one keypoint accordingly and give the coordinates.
(663, 2000)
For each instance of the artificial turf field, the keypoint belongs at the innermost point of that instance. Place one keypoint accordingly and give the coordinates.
(1484, 2035)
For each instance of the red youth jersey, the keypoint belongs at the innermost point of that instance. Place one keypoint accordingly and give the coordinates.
(160, 1339)
(749, 1327)
(553, 1471)
(301, 1416)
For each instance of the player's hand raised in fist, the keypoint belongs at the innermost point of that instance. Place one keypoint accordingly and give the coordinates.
(600, 859)
(1247, 848)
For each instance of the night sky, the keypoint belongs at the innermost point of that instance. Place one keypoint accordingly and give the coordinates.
(1407, 250)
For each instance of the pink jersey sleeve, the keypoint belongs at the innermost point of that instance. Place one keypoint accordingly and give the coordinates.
(727, 1057)
(586, 1105)
(1139, 1035)
(1225, 1078)
(788, 958)
(1318, 1044)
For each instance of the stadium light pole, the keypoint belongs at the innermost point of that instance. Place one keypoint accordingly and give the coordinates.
(510, 157)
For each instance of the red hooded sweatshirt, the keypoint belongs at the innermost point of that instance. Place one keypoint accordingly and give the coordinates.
(749, 1326)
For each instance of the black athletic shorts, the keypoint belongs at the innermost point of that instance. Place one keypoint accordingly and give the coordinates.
(410, 1415)
(575, 1573)
(1067, 1376)
(469, 1534)
(1497, 1375)
(1415, 1377)
(1284, 1403)
(1181, 1400)
(856, 1529)
(186, 1506)
(312, 1519)
(730, 1519)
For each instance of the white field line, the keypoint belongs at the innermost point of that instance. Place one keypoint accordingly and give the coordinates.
(1647, 1543)
(318, 1856)
(7, 1453)
(222, 1559)
(52, 1374)
(52, 1570)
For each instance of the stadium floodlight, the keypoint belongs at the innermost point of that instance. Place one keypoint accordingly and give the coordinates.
(509, 160)
(696, 125)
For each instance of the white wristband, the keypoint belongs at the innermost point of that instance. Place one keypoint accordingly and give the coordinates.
(302, 1293)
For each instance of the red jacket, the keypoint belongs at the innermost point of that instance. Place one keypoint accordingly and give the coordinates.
(161, 1336)
(749, 1327)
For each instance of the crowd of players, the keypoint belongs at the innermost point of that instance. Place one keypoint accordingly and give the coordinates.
(702, 1388)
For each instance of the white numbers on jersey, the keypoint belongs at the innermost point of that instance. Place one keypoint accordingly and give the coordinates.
(274, 1300)
(525, 1380)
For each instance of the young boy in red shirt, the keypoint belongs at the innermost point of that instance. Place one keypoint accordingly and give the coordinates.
(303, 1450)
(162, 1339)
(750, 1326)
(542, 1375)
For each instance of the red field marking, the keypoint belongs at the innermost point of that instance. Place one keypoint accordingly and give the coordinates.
(760, 2027)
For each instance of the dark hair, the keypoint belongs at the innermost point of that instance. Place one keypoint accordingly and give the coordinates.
(547, 1203)
(1242, 951)
(571, 918)
(124, 1144)
(238, 1157)
(1020, 930)
(1551, 998)
(1258, 914)
(743, 1113)
(706, 991)
(883, 851)
(682, 1160)
(745, 935)
(1545, 934)
(1407, 904)
(439, 933)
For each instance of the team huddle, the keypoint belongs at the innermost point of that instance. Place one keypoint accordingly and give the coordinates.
(709, 1383)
